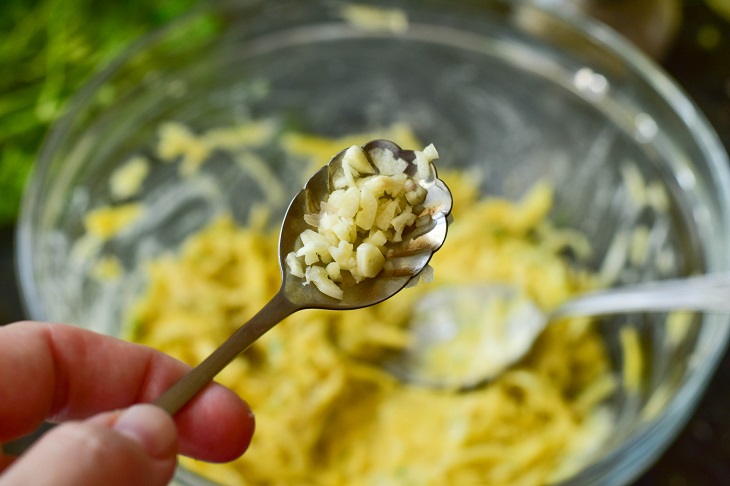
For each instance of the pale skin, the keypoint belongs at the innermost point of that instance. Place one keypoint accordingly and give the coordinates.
(93, 386)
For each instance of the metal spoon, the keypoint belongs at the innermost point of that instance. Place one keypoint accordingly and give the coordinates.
(404, 261)
(464, 336)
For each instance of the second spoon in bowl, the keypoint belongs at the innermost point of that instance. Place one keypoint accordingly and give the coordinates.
(464, 336)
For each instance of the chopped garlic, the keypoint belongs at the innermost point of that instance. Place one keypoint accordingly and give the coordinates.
(386, 215)
(370, 260)
(386, 162)
(372, 204)
(376, 238)
(423, 161)
(416, 196)
(295, 266)
(350, 203)
(431, 152)
(342, 254)
(368, 209)
(356, 159)
(318, 276)
(427, 274)
(333, 271)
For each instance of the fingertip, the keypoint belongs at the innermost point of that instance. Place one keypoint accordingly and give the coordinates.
(108, 450)
(151, 428)
(216, 427)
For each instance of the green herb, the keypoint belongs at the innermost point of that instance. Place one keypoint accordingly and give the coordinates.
(49, 49)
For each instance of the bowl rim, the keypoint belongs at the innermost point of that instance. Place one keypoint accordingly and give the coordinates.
(654, 435)
(660, 431)
(30, 295)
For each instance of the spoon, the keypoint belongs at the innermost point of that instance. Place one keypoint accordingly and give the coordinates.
(404, 262)
(464, 336)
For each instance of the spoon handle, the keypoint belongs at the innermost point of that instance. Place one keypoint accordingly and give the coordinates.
(702, 293)
(174, 398)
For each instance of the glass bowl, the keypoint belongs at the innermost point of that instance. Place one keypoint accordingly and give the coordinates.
(521, 93)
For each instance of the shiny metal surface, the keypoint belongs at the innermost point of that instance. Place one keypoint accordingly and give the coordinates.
(406, 260)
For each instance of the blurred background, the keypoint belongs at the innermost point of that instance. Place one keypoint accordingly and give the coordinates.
(50, 48)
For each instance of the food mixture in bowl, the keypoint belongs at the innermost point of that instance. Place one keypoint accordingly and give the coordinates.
(329, 413)
(550, 133)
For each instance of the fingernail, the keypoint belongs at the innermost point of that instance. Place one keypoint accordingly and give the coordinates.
(151, 427)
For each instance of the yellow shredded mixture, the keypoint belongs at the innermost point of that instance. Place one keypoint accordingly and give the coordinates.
(328, 414)
(126, 181)
(108, 221)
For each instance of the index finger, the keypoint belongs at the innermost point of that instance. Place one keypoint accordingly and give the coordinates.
(58, 372)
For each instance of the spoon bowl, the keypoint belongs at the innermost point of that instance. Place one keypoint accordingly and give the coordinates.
(404, 262)
(462, 336)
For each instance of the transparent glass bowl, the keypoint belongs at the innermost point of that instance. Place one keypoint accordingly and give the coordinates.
(518, 92)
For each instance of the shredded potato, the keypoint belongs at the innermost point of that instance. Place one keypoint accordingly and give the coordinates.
(328, 414)
(127, 180)
(107, 222)
(633, 358)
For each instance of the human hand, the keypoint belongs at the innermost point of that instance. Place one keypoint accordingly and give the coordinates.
(66, 374)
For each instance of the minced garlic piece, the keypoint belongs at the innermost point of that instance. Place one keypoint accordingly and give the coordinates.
(373, 204)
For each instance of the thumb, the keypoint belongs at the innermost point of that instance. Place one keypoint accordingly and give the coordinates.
(134, 446)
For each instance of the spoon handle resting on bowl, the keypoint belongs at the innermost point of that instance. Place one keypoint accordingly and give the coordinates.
(174, 398)
(707, 293)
